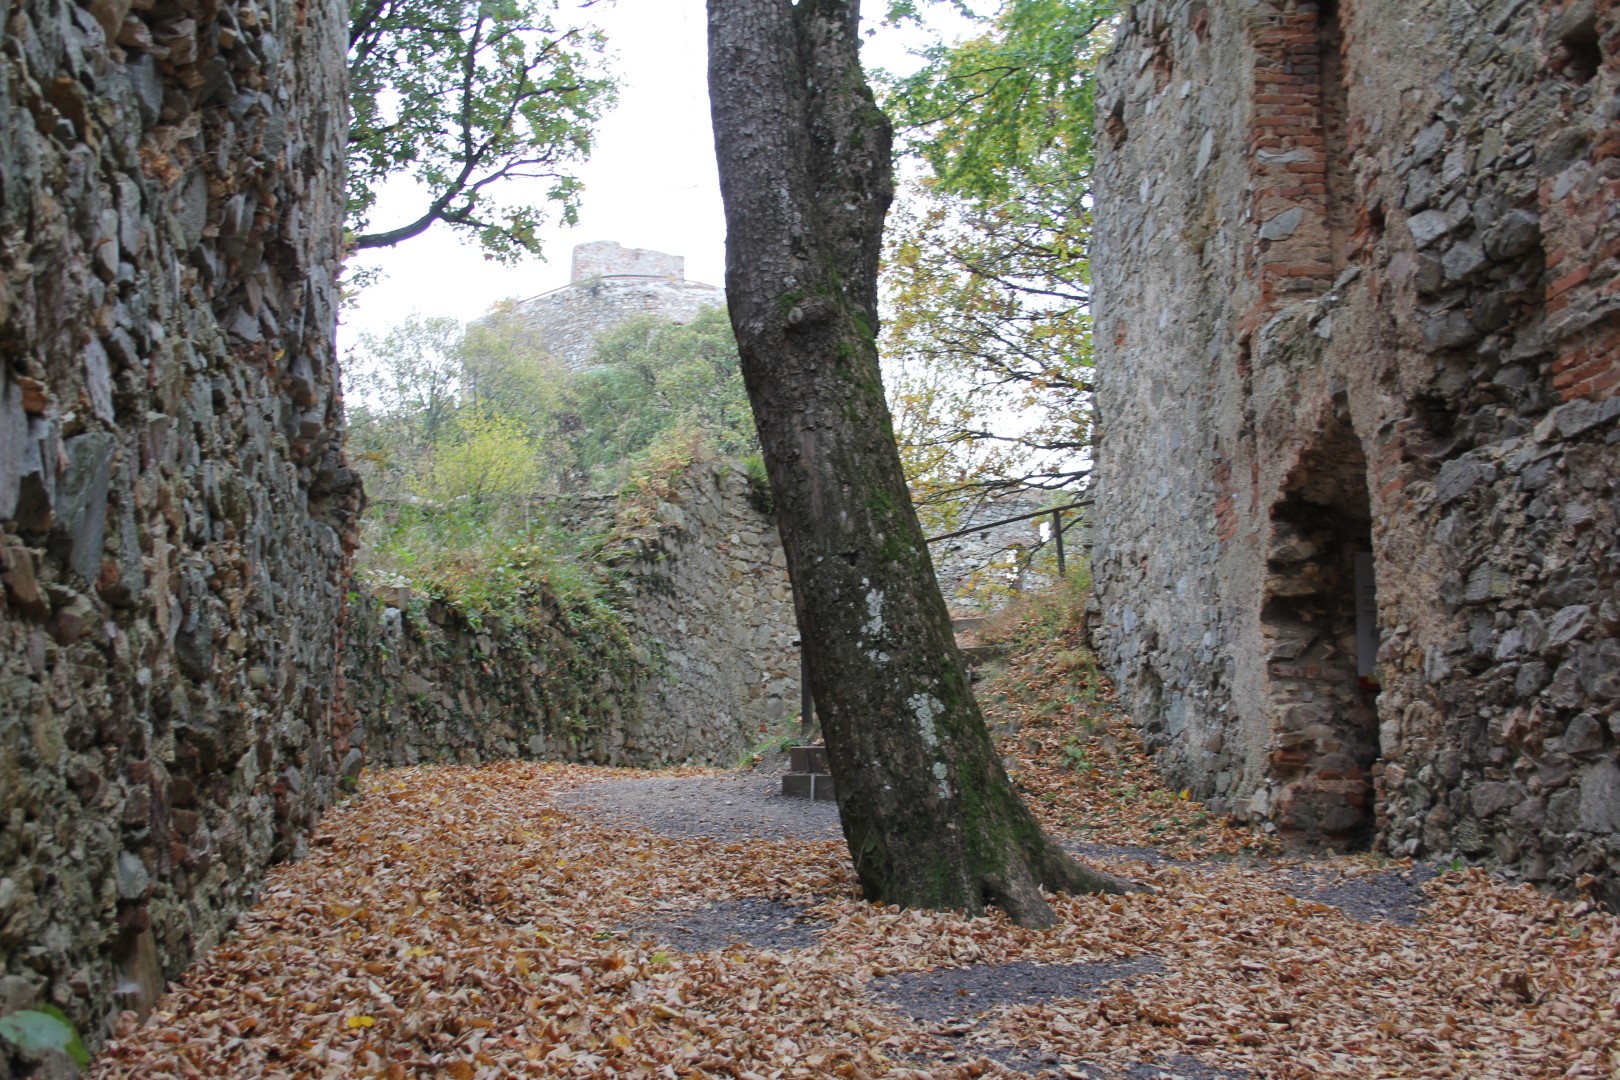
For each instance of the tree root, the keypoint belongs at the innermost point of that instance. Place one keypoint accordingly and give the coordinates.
(1062, 872)
(1018, 892)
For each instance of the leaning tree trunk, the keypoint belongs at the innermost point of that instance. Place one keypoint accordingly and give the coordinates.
(929, 814)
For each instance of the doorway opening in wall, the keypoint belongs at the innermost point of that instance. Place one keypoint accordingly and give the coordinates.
(1319, 621)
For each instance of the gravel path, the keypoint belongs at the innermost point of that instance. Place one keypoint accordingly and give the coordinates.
(722, 807)
(1042, 1063)
(1395, 895)
(763, 924)
(958, 994)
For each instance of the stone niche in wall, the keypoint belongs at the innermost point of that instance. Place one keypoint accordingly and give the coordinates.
(1358, 365)
(175, 510)
(1319, 693)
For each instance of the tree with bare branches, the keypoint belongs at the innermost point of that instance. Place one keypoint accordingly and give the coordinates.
(987, 274)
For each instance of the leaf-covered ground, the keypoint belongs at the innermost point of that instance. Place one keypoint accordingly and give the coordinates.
(456, 922)
(1076, 759)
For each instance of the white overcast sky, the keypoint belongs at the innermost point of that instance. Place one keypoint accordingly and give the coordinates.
(651, 182)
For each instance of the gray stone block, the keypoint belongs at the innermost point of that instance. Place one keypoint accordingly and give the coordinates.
(1428, 227)
(1283, 225)
(1457, 478)
(1600, 798)
(1514, 235)
(81, 520)
(812, 786)
(13, 444)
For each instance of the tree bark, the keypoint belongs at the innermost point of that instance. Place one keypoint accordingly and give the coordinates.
(804, 152)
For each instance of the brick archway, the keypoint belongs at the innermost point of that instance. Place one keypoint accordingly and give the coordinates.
(1320, 699)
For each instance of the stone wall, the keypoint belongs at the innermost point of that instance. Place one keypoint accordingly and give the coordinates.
(173, 500)
(606, 258)
(1357, 305)
(711, 660)
(427, 685)
(610, 285)
(713, 606)
(981, 571)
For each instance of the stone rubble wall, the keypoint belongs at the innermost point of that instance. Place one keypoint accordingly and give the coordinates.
(426, 685)
(175, 512)
(1359, 289)
(712, 604)
(712, 637)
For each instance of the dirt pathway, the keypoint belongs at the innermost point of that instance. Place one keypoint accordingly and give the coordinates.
(539, 920)
(531, 920)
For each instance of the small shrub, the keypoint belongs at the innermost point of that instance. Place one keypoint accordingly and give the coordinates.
(1075, 755)
(760, 496)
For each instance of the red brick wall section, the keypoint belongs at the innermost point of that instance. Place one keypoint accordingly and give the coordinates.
(1288, 161)
(1581, 227)
(1226, 515)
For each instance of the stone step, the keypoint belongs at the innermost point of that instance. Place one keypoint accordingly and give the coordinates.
(808, 759)
(964, 623)
(979, 654)
(817, 787)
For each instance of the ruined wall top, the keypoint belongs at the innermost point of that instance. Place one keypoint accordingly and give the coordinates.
(608, 258)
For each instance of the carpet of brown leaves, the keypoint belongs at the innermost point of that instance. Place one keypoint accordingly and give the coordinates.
(1074, 755)
(454, 922)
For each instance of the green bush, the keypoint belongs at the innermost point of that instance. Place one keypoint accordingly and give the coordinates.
(489, 561)
(461, 433)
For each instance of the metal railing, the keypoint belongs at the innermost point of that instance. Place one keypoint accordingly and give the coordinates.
(1057, 527)
(807, 705)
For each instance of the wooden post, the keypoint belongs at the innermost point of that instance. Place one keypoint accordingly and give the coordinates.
(1057, 534)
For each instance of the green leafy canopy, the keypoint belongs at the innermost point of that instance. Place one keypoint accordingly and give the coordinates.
(987, 279)
(1013, 104)
(649, 378)
(474, 100)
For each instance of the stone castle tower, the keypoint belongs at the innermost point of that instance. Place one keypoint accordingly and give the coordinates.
(608, 285)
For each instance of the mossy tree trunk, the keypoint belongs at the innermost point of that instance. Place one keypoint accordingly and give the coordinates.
(929, 813)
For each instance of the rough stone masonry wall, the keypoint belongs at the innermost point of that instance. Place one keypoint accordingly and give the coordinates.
(426, 684)
(706, 596)
(173, 500)
(1358, 293)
